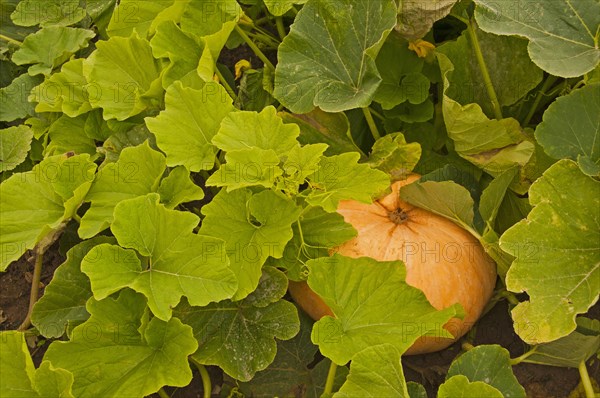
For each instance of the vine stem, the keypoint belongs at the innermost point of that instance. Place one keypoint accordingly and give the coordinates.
(206, 384)
(35, 288)
(484, 70)
(224, 83)
(11, 40)
(377, 114)
(371, 123)
(330, 378)
(162, 394)
(519, 359)
(585, 380)
(280, 27)
(550, 80)
(254, 47)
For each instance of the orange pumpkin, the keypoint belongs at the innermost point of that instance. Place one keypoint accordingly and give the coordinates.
(443, 260)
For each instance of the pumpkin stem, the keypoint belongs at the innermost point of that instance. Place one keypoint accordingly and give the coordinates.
(398, 216)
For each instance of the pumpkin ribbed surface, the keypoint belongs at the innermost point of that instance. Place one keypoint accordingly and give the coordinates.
(443, 260)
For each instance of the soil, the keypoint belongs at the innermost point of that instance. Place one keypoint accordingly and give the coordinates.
(494, 328)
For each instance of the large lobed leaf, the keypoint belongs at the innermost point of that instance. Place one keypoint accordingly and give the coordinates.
(126, 76)
(128, 355)
(180, 262)
(292, 370)
(20, 379)
(372, 304)
(375, 372)
(191, 119)
(557, 254)
(54, 189)
(489, 364)
(571, 129)
(63, 302)
(563, 34)
(254, 227)
(240, 336)
(137, 172)
(328, 58)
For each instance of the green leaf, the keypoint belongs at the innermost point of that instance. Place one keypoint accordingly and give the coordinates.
(372, 305)
(180, 262)
(394, 156)
(416, 390)
(279, 7)
(446, 198)
(64, 298)
(127, 76)
(557, 241)
(460, 387)
(178, 188)
(9, 29)
(319, 127)
(124, 138)
(493, 195)
(314, 235)
(254, 227)
(184, 130)
(290, 371)
(54, 190)
(337, 72)
(493, 145)
(66, 91)
(247, 168)
(100, 11)
(14, 98)
(182, 50)
(410, 113)
(49, 47)
(68, 135)
(272, 286)
(301, 162)
(128, 356)
(375, 372)
(47, 13)
(136, 173)
(397, 63)
(571, 350)
(561, 33)
(15, 143)
(416, 18)
(341, 177)
(21, 379)
(252, 95)
(249, 345)
(570, 129)
(511, 71)
(489, 364)
(202, 20)
(130, 15)
(264, 130)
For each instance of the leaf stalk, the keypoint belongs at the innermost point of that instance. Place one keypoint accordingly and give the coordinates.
(484, 70)
(371, 123)
(11, 40)
(585, 380)
(35, 288)
(550, 80)
(330, 378)
(206, 383)
(254, 47)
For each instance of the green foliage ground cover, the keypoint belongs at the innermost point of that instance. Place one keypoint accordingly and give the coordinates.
(197, 196)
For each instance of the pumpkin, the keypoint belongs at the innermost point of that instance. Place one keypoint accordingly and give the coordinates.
(443, 260)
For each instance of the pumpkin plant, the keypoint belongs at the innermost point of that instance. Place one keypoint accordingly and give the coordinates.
(400, 167)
